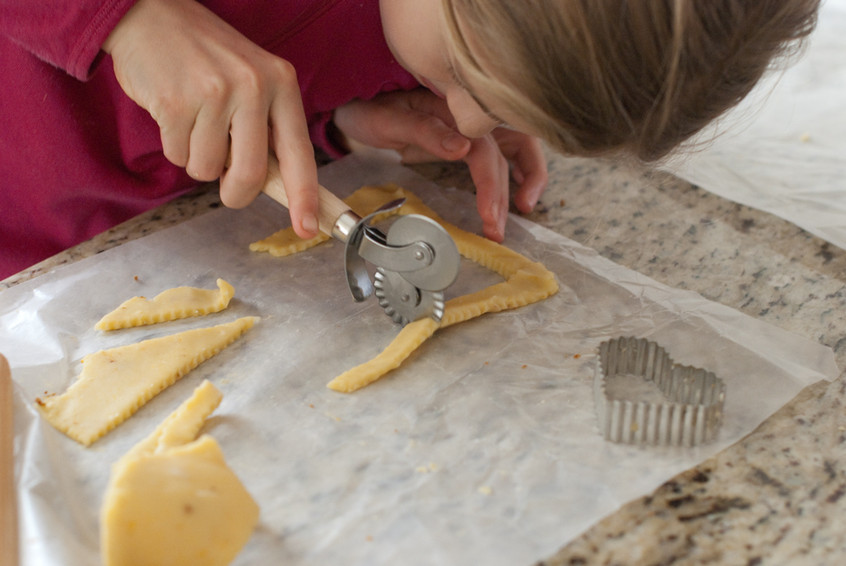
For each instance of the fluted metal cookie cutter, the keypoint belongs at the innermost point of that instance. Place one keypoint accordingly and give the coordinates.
(643, 397)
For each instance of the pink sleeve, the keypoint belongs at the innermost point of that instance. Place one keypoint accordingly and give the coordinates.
(65, 33)
(322, 129)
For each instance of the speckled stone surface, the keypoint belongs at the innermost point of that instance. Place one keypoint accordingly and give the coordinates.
(776, 497)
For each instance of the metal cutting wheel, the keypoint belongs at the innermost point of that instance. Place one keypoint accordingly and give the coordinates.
(403, 301)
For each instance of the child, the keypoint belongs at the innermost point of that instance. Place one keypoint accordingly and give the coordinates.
(112, 108)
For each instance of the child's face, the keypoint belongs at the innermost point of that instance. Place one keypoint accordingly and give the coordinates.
(414, 30)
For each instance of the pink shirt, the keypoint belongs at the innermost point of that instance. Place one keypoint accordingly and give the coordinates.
(77, 156)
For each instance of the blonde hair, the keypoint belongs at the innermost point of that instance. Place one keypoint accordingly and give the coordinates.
(622, 77)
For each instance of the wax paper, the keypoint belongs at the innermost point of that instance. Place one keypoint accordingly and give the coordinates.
(483, 448)
(783, 149)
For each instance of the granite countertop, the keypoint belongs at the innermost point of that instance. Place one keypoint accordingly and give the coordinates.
(776, 497)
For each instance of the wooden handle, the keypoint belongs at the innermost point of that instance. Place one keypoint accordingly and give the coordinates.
(330, 206)
(9, 512)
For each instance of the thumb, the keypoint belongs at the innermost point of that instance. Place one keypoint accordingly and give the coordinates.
(437, 146)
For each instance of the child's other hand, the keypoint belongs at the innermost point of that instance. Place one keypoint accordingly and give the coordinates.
(418, 125)
(213, 93)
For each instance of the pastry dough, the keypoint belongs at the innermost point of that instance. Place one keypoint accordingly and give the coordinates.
(409, 339)
(117, 382)
(285, 242)
(525, 282)
(172, 304)
(173, 500)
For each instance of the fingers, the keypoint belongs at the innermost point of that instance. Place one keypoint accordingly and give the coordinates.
(530, 172)
(292, 146)
(290, 143)
(433, 142)
(416, 124)
(431, 131)
(243, 180)
(214, 93)
(488, 163)
(489, 171)
(176, 136)
(420, 127)
(208, 144)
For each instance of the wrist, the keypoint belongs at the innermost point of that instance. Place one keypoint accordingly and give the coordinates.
(127, 23)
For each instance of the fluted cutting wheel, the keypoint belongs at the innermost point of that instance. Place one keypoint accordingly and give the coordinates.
(404, 302)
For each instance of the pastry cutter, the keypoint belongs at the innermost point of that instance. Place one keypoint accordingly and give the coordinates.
(643, 397)
(415, 261)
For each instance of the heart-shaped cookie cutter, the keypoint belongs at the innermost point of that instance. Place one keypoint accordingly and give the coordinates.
(692, 410)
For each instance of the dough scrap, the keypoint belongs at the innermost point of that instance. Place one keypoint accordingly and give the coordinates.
(172, 304)
(525, 282)
(173, 500)
(115, 383)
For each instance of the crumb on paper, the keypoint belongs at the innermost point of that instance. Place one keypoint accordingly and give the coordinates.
(485, 490)
(805, 138)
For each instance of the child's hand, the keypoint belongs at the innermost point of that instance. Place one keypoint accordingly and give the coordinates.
(488, 161)
(418, 125)
(213, 93)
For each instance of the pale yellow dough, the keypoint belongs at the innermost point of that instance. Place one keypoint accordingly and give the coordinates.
(286, 242)
(117, 382)
(173, 500)
(172, 304)
(525, 282)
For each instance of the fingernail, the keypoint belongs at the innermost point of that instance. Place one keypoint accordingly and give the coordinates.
(454, 142)
(309, 223)
(499, 222)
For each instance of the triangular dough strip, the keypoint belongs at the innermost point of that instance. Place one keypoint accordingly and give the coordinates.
(173, 500)
(117, 382)
(172, 304)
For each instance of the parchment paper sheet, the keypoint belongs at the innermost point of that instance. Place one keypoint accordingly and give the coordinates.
(482, 449)
(783, 149)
